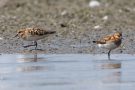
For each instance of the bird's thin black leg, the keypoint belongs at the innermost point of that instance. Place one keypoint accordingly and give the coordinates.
(109, 54)
(27, 46)
(35, 44)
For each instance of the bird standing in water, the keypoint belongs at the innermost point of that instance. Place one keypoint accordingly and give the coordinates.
(110, 42)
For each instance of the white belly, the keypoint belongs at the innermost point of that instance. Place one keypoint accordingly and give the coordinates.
(34, 38)
(108, 46)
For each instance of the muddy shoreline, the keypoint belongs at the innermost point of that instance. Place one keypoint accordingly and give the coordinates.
(76, 24)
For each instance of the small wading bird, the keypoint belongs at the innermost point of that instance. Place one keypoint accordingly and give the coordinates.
(110, 42)
(33, 34)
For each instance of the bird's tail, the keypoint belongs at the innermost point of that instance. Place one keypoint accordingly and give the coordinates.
(99, 42)
(51, 32)
(94, 41)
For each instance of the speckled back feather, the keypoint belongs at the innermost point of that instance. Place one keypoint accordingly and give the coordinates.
(38, 31)
(110, 38)
(33, 33)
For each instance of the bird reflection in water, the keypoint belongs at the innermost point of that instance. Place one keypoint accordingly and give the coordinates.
(114, 73)
(105, 64)
(28, 65)
(29, 58)
(112, 77)
(111, 66)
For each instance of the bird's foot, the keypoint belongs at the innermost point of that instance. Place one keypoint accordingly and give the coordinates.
(28, 46)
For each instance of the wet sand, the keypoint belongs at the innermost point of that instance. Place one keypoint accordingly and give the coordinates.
(75, 22)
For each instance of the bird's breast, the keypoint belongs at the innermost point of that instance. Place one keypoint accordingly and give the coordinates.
(33, 38)
(108, 46)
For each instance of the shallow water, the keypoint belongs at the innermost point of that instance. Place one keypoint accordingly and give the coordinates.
(67, 72)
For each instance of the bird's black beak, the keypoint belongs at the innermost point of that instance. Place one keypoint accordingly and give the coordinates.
(16, 35)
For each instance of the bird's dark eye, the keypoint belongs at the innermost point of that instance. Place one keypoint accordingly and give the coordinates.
(19, 32)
